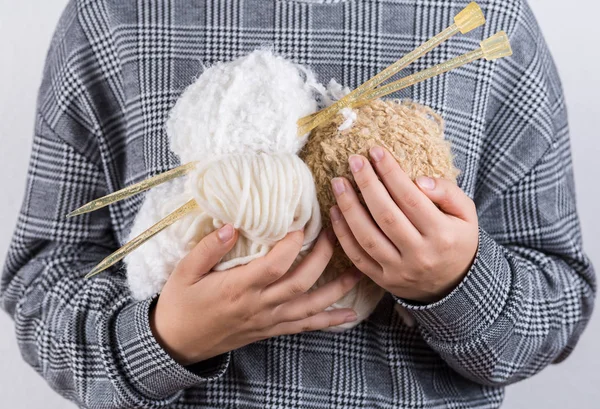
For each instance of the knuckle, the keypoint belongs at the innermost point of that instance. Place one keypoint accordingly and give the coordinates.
(271, 332)
(449, 196)
(263, 321)
(325, 256)
(363, 182)
(409, 279)
(310, 311)
(345, 206)
(203, 254)
(446, 241)
(232, 293)
(410, 200)
(426, 265)
(307, 327)
(385, 169)
(453, 193)
(247, 316)
(369, 243)
(205, 247)
(273, 272)
(343, 234)
(323, 251)
(357, 259)
(388, 218)
(296, 288)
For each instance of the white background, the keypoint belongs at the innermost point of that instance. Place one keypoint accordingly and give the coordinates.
(572, 29)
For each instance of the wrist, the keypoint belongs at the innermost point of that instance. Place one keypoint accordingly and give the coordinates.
(167, 339)
(459, 272)
(150, 371)
(474, 304)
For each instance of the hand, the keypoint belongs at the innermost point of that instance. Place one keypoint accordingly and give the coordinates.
(200, 315)
(404, 242)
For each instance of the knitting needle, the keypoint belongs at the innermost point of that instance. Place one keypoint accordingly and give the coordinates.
(493, 48)
(134, 189)
(144, 237)
(468, 19)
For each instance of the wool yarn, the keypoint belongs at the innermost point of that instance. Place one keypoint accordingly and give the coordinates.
(238, 120)
(264, 196)
(247, 105)
(414, 135)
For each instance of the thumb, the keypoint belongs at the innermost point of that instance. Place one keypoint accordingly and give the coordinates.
(449, 197)
(206, 254)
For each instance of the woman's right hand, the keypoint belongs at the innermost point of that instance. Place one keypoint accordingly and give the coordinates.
(202, 313)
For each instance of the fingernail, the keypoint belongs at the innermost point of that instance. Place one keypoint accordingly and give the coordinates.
(225, 233)
(351, 317)
(426, 182)
(356, 163)
(336, 215)
(376, 153)
(338, 186)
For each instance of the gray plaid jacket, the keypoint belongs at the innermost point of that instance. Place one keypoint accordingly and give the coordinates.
(113, 71)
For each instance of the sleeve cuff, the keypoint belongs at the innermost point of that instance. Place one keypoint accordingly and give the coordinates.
(475, 304)
(147, 366)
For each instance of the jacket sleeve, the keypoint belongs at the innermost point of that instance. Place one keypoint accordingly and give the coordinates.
(88, 338)
(530, 292)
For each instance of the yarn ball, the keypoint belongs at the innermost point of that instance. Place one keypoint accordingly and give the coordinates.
(414, 135)
(247, 105)
(238, 120)
(264, 196)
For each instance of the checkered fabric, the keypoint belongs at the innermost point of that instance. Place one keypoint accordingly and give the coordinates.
(114, 69)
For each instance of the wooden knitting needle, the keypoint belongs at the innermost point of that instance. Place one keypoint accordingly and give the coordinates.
(134, 189)
(144, 237)
(468, 19)
(495, 47)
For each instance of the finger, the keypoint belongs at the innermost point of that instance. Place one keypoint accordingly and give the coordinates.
(384, 210)
(206, 254)
(299, 281)
(277, 262)
(449, 197)
(419, 209)
(363, 228)
(322, 320)
(359, 257)
(316, 301)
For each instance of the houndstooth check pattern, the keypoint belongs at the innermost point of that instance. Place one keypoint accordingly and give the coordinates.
(113, 71)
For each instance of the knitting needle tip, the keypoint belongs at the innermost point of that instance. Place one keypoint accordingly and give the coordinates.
(96, 270)
(74, 213)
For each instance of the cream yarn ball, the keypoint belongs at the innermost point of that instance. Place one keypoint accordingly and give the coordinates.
(264, 196)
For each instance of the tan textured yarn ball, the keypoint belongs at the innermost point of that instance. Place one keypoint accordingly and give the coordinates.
(413, 133)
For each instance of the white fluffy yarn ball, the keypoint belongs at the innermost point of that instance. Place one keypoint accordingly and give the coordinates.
(247, 105)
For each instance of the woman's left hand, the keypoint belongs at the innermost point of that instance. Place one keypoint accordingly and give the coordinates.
(402, 240)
